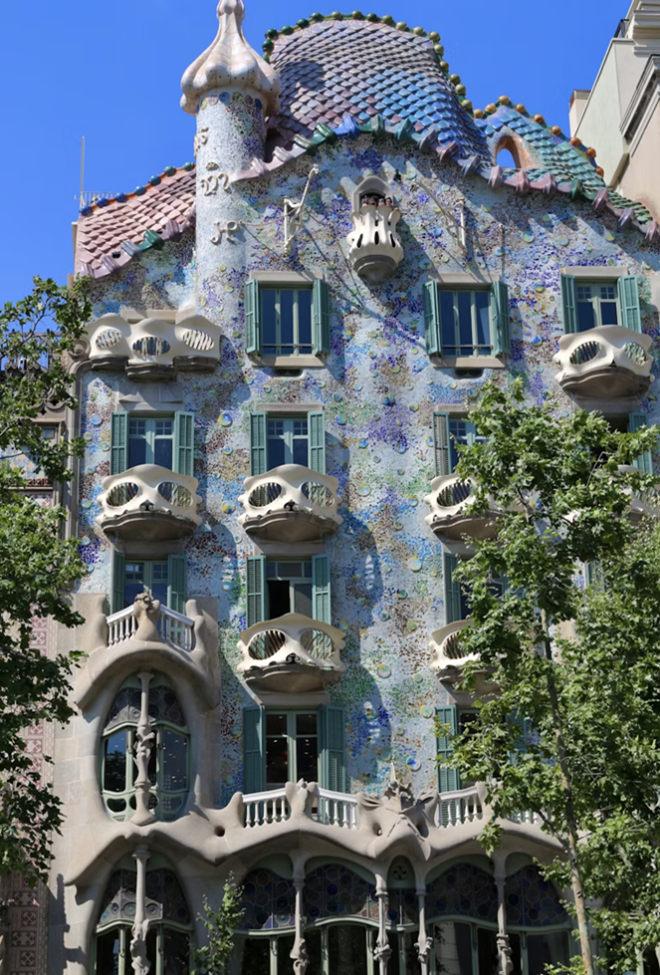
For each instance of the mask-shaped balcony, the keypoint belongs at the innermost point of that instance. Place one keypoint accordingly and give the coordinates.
(375, 249)
(291, 503)
(448, 501)
(153, 349)
(292, 654)
(149, 504)
(609, 362)
(449, 658)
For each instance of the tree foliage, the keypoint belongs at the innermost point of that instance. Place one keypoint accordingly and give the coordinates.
(220, 924)
(569, 715)
(37, 565)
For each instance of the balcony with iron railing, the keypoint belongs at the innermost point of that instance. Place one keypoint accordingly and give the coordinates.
(149, 503)
(153, 348)
(610, 362)
(448, 656)
(450, 517)
(290, 503)
(291, 654)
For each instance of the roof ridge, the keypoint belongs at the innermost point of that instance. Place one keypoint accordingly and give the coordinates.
(153, 181)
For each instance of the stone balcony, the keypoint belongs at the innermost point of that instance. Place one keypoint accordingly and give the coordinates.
(448, 500)
(607, 363)
(292, 654)
(153, 349)
(149, 504)
(448, 657)
(375, 249)
(290, 503)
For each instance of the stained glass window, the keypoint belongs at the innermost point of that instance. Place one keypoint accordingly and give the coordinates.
(532, 901)
(268, 901)
(464, 890)
(334, 890)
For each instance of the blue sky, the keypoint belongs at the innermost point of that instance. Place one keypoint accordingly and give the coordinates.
(111, 72)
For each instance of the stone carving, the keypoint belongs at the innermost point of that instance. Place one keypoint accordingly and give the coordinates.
(201, 138)
(210, 184)
(505, 958)
(146, 611)
(424, 947)
(230, 62)
(300, 957)
(230, 228)
(139, 961)
(152, 345)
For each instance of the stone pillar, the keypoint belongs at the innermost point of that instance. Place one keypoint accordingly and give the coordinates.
(382, 951)
(299, 950)
(424, 941)
(505, 963)
(231, 90)
(145, 742)
(139, 961)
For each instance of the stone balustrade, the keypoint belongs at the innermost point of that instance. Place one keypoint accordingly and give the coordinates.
(292, 653)
(150, 622)
(290, 503)
(610, 362)
(330, 808)
(449, 658)
(150, 503)
(153, 348)
(449, 498)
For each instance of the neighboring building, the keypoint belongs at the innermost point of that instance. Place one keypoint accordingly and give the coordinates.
(287, 340)
(620, 116)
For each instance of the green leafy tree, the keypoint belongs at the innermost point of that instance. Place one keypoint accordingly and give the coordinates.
(37, 565)
(220, 925)
(572, 729)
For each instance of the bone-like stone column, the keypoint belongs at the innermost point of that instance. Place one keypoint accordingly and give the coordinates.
(505, 962)
(145, 741)
(424, 941)
(139, 961)
(382, 951)
(299, 950)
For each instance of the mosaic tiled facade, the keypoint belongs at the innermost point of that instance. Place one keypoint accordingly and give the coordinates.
(381, 841)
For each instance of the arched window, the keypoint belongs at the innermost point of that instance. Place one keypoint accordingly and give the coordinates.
(168, 941)
(167, 756)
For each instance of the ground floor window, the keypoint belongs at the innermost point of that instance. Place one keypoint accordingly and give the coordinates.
(168, 951)
(464, 948)
(335, 949)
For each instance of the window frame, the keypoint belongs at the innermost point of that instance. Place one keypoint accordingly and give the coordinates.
(499, 317)
(324, 928)
(297, 348)
(288, 437)
(177, 578)
(130, 771)
(457, 350)
(475, 926)
(320, 318)
(292, 580)
(292, 739)
(151, 420)
(596, 302)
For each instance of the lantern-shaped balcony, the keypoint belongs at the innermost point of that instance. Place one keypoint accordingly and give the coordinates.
(153, 348)
(149, 503)
(291, 654)
(290, 503)
(448, 500)
(448, 656)
(610, 362)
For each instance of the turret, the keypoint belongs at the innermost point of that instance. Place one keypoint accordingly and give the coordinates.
(231, 90)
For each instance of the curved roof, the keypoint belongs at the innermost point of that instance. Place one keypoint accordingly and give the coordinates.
(338, 72)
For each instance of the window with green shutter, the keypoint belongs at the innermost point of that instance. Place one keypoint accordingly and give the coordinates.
(449, 432)
(333, 748)
(253, 750)
(467, 322)
(277, 440)
(167, 441)
(591, 304)
(636, 421)
(164, 579)
(288, 320)
(456, 598)
(447, 719)
(276, 587)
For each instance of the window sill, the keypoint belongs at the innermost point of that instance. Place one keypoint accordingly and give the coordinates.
(288, 361)
(468, 362)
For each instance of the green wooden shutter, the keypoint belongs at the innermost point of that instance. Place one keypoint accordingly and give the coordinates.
(441, 444)
(254, 777)
(594, 575)
(332, 722)
(316, 442)
(118, 578)
(320, 317)
(644, 462)
(252, 317)
(321, 588)
(184, 443)
(452, 589)
(256, 589)
(119, 442)
(447, 777)
(258, 444)
(176, 583)
(520, 746)
(432, 318)
(631, 314)
(569, 302)
(500, 318)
